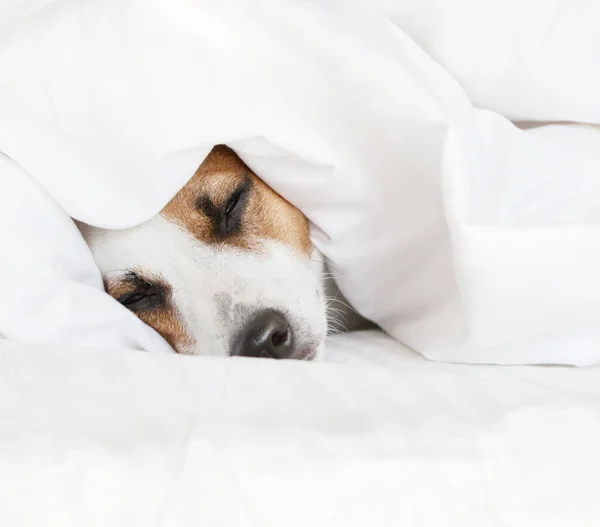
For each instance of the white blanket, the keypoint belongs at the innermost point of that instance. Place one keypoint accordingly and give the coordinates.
(376, 437)
(463, 236)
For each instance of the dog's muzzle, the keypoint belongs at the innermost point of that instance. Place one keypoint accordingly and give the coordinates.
(267, 335)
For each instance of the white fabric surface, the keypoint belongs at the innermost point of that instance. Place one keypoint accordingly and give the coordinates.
(375, 437)
(463, 236)
(528, 60)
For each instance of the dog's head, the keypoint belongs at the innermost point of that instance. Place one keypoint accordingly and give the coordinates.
(226, 268)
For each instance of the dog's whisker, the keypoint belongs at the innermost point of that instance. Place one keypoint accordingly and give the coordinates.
(344, 304)
(333, 312)
(331, 300)
(330, 266)
(335, 323)
(335, 330)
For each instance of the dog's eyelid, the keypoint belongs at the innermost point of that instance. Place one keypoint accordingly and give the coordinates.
(233, 201)
(235, 207)
(145, 294)
(237, 194)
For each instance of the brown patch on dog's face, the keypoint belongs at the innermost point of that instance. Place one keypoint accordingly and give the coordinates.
(225, 203)
(150, 300)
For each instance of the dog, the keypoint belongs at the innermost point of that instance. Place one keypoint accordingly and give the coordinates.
(227, 268)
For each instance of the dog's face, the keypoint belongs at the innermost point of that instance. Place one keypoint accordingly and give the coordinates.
(226, 268)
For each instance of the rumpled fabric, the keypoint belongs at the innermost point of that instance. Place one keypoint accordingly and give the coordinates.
(447, 154)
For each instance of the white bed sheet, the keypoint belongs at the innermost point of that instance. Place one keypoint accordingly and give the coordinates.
(373, 436)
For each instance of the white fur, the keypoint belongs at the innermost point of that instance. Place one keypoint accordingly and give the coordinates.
(217, 289)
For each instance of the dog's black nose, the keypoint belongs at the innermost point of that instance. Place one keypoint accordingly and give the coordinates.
(267, 335)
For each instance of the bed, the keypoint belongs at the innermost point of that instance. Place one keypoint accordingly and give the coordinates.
(448, 165)
(374, 435)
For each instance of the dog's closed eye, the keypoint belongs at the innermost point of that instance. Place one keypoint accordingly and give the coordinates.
(235, 205)
(145, 295)
(226, 219)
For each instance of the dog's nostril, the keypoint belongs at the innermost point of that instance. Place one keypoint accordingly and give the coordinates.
(280, 338)
(266, 335)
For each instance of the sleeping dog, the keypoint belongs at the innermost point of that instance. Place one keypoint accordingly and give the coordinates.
(226, 268)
